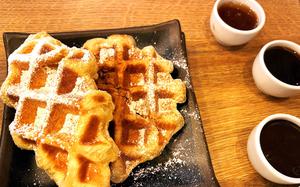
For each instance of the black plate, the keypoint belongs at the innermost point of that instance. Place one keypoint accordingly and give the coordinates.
(185, 160)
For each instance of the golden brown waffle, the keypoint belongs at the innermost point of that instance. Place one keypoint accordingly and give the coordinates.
(145, 96)
(59, 111)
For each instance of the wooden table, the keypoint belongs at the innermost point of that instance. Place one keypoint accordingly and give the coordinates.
(229, 102)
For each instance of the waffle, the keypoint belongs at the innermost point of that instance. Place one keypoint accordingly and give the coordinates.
(145, 96)
(60, 113)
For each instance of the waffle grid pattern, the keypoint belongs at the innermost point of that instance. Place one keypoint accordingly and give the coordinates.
(60, 114)
(145, 96)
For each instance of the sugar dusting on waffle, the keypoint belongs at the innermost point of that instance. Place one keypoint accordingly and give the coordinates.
(177, 159)
(53, 90)
(146, 116)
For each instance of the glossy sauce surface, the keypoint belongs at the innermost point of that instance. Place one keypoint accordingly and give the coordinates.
(284, 64)
(280, 142)
(238, 16)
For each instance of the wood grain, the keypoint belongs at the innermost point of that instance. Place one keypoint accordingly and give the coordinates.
(229, 102)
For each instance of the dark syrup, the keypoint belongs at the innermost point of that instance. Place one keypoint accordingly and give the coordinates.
(238, 16)
(284, 64)
(280, 143)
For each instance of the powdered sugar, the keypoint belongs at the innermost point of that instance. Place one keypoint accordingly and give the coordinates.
(179, 60)
(192, 114)
(141, 139)
(151, 87)
(179, 157)
(166, 170)
(86, 54)
(172, 163)
(138, 107)
(106, 53)
(70, 124)
(40, 119)
(44, 58)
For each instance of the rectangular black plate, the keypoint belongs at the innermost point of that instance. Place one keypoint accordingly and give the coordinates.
(185, 160)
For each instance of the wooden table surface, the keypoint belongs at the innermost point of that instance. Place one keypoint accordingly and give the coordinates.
(229, 102)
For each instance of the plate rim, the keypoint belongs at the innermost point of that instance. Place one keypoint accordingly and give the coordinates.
(133, 28)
